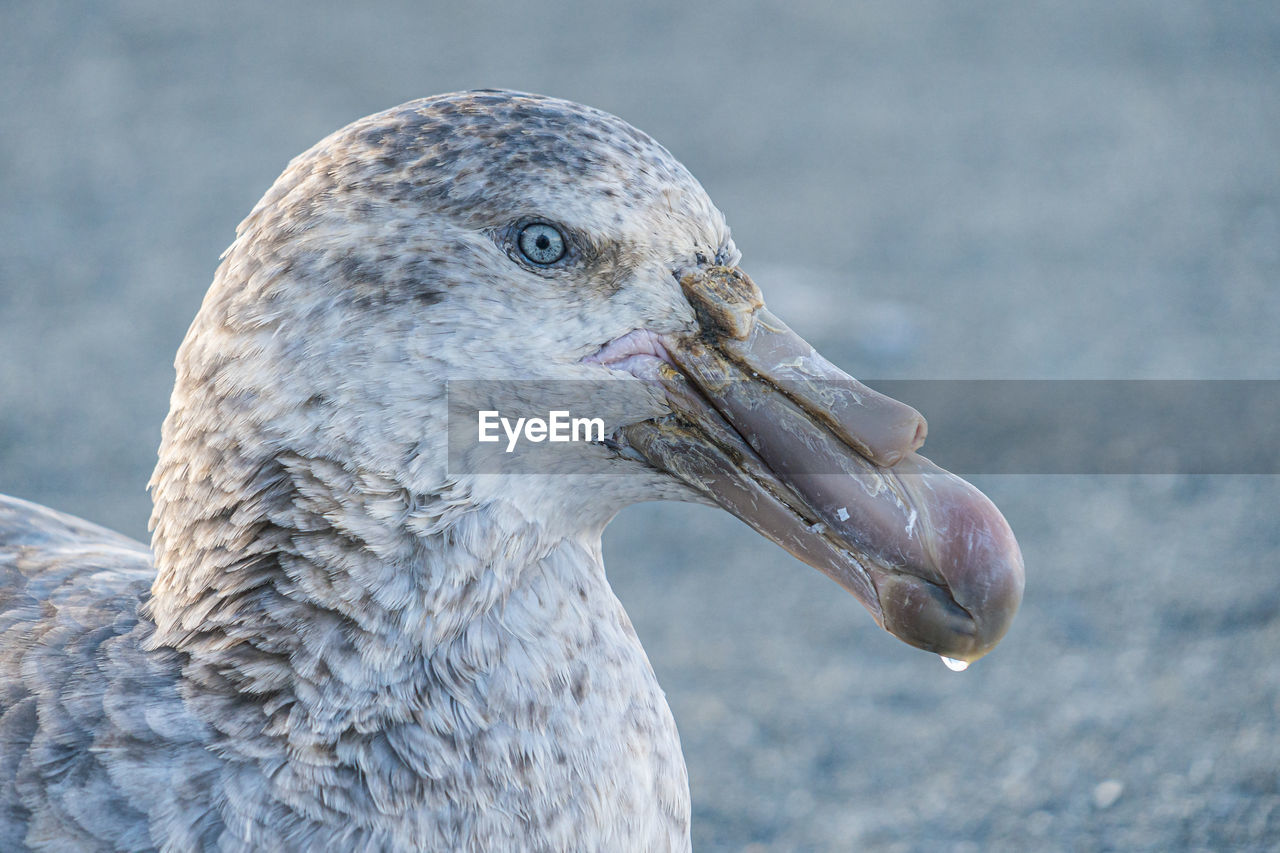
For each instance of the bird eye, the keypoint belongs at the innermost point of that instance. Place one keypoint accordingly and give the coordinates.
(541, 243)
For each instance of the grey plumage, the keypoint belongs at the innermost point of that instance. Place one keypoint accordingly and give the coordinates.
(93, 732)
(338, 644)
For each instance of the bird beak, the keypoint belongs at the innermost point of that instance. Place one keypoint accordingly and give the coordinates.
(827, 468)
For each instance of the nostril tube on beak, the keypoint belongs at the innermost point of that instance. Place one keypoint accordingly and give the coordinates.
(724, 299)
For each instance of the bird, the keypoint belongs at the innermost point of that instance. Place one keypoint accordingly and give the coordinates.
(350, 630)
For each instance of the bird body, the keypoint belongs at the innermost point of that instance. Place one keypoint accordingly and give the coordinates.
(340, 640)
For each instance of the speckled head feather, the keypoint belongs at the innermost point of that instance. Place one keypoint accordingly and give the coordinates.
(457, 173)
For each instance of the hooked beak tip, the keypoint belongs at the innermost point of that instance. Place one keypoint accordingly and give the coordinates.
(982, 576)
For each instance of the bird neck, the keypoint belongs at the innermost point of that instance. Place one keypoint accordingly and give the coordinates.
(362, 637)
(342, 577)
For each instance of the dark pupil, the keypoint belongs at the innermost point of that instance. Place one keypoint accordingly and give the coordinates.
(542, 242)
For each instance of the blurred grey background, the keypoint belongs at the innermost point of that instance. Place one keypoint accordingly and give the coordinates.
(937, 190)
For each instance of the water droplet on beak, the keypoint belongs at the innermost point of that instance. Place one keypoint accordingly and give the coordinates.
(955, 665)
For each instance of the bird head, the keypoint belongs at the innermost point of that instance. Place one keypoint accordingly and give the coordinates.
(413, 257)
